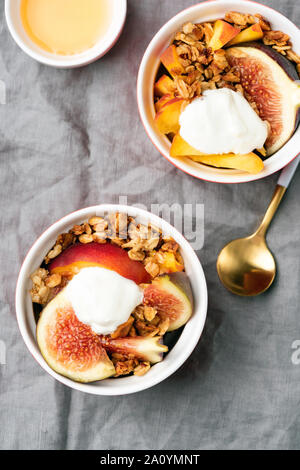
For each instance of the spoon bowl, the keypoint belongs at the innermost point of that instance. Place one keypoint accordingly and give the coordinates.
(246, 266)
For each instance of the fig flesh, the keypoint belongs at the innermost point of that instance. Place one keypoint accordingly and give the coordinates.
(269, 80)
(144, 348)
(172, 296)
(70, 347)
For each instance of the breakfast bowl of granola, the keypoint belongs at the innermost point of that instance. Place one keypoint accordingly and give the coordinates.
(111, 300)
(218, 91)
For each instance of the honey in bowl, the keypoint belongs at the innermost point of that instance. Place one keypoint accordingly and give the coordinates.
(66, 27)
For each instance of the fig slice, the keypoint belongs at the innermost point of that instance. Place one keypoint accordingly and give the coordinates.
(172, 296)
(142, 347)
(269, 80)
(70, 347)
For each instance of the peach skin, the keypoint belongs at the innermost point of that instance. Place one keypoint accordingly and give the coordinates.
(162, 101)
(250, 162)
(253, 33)
(223, 33)
(163, 86)
(79, 256)
(171, 61)
(167, 119)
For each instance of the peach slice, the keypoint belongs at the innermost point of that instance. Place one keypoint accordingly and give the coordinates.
(167, 119)
(223, 33)
(168, 263)
(163, 86)
(163, 100)
(180, 148)
(253, 33)
(78, 256)
(171, 61)
(250, 162)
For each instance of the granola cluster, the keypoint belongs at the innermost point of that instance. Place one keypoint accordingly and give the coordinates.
(205, 69)
(158, 253)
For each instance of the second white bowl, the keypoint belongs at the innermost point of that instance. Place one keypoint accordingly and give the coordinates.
(178, 354)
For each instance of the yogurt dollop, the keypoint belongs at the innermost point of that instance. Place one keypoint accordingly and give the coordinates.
(222, 121)
(103, 299)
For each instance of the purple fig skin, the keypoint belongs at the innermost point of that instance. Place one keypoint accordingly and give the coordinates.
(286, 65)
(283, 62)
(181, 280)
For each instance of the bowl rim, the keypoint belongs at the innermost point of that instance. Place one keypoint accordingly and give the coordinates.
(229, 178)
(76, 60)
(22, 314)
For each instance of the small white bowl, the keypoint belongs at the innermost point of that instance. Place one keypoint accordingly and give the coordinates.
(205, 11)
(178, 354)
(15, 26)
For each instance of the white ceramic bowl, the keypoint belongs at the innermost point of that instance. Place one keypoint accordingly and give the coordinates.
(178, 354)
(209, 10)
(14, 22)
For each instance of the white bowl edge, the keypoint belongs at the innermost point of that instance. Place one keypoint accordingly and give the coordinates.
(14, 23)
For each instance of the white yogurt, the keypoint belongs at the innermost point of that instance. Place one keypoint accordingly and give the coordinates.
(102, 298)
(222, 121)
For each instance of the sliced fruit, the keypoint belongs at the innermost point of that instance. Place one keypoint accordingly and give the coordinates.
(172, 297)
(164, 86)
(249, 162)
(79, 256)
(71, 348)
(223, 33)
(171, 61)
(167, 119)
(253, 33)
(269, 80)
(180, 148)
(141, 347)
(162, 101)
(168, 262)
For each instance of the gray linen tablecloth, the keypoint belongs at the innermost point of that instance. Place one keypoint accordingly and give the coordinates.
(73, 138)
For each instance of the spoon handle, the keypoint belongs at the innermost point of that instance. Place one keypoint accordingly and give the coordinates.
(273, 206)
(282, 184)
(288, 172)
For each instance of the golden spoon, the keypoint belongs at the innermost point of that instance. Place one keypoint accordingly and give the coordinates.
(246, 266)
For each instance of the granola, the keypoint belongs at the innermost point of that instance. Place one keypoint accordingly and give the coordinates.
(205, 69)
